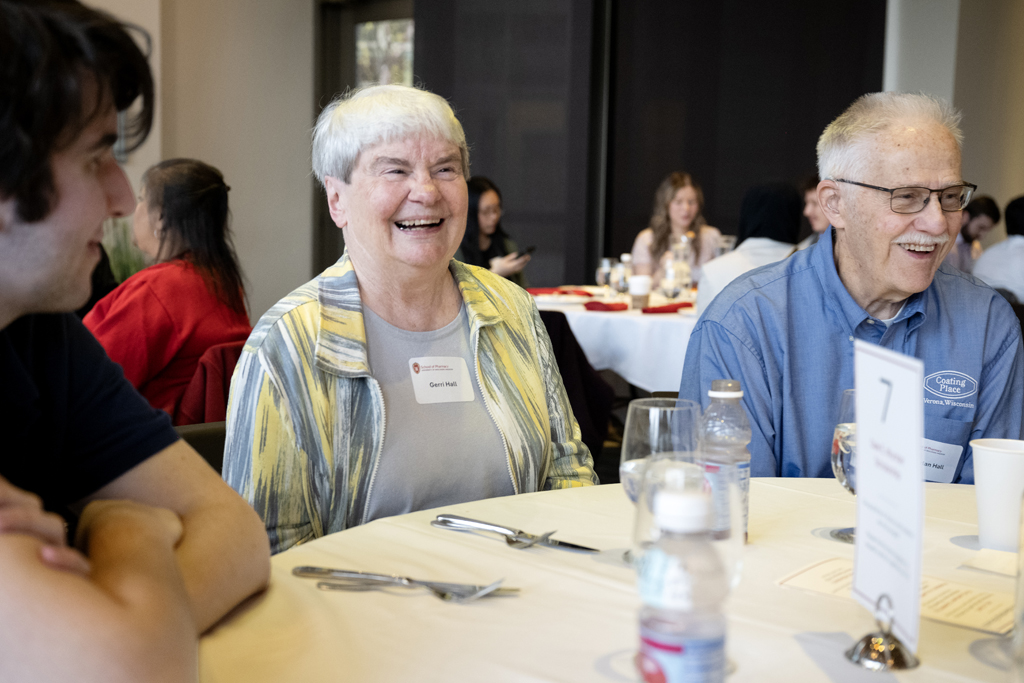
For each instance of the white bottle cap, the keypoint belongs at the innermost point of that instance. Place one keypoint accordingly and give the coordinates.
(681, 512)
(725, 388)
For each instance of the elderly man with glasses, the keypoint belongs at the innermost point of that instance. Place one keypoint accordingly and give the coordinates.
(893, 193)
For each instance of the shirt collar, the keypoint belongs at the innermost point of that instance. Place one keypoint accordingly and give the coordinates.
(341, 347)
(843, 304)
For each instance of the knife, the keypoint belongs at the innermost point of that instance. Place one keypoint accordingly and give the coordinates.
(460, 523)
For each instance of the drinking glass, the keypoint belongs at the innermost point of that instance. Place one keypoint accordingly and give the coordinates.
(844, 454)
(603, 277)
(659, 448)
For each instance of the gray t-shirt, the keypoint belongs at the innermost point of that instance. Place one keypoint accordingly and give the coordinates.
(436, 453)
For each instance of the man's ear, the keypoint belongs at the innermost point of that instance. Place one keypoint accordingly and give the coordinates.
(337, 192)
(831, 202)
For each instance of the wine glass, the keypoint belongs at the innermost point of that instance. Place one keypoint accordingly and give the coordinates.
(844, 454)
(661, 434)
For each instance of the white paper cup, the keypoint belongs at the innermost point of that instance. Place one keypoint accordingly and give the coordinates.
(640, 285)
(999, 487)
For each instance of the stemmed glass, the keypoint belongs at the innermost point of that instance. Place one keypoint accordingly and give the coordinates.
(659, 449)
(844, 454)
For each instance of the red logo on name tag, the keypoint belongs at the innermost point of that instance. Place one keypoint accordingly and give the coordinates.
(416, 368)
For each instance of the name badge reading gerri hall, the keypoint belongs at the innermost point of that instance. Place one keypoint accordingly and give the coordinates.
(441, 379)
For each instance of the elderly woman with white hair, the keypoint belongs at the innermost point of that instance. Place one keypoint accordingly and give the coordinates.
(398, 379)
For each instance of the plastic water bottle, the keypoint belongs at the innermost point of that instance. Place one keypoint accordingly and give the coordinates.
(683, 585)
(725, 433)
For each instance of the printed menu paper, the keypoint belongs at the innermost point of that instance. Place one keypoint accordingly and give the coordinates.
(945, 601)
(890, 485)
(995, 561)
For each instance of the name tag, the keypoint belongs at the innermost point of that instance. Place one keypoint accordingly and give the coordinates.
(940, 461)
(441, 379)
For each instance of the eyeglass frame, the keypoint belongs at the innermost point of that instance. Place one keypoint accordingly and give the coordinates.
(891, 190)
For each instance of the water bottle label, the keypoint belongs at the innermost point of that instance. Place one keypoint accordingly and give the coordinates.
(663, 581)
(717, 477)
(743, 483)
(667, 658)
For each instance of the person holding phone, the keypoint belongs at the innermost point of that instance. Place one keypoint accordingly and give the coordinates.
(485, 244)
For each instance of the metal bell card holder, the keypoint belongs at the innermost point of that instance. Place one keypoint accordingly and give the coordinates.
(882, 651)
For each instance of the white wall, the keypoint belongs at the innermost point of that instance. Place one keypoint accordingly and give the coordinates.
(144, 13)
(990, 91)
(237, 79)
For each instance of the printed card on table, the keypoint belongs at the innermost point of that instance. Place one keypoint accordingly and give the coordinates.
(890, 485)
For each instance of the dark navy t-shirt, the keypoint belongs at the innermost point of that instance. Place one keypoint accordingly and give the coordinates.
(69, 421)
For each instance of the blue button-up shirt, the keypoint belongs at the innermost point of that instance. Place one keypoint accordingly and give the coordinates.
(786, 331)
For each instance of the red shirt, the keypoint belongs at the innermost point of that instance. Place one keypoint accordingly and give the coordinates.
(158, 323)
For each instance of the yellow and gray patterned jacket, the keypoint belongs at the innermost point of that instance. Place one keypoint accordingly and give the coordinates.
(306, 419)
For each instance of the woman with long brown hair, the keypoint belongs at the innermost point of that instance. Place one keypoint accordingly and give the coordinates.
(159, 322)
(677, 216)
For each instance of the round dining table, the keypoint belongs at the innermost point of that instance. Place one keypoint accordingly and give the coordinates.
(575, 616)
(645, 349)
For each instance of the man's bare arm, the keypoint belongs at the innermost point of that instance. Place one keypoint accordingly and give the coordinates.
(128, 620)
(224, 554)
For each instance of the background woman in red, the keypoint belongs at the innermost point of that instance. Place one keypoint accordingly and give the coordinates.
(159, 322)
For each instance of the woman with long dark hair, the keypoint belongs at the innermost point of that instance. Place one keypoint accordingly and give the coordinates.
(678, 216)
(485, 243)
(159, 322)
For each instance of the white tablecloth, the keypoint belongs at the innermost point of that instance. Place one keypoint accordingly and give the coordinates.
(575, 619)
(647, 350)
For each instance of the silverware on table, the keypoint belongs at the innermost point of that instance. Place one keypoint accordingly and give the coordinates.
(514, 537)
(351, 580)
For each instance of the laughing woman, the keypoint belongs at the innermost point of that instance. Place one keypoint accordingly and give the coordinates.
(398, 379)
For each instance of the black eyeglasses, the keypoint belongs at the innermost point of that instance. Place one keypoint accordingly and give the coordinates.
(914, 199)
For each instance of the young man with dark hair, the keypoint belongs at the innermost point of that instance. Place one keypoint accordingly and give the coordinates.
(164, 547)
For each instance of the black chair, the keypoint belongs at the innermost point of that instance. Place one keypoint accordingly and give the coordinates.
(207, 439)
(589, 395)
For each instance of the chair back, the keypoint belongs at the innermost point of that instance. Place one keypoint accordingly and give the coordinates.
(589, 395)
(207, 439)
(206, 396)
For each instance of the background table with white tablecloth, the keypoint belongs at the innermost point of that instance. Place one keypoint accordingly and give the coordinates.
(576, 617)
(647, 350)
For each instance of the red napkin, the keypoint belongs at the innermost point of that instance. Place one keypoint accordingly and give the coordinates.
(557, 290)
(668, 308)
(601, 306)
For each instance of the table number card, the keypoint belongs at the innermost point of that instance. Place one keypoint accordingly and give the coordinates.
(890, 484)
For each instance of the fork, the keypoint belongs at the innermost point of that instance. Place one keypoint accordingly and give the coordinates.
(514, 537)
(344, 579)
(446, 592)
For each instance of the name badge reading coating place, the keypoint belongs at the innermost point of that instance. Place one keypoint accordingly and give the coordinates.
(441, 379)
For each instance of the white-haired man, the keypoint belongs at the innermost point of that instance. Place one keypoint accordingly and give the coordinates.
(892, 190)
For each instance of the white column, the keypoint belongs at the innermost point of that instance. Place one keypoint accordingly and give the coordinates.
(920, 46)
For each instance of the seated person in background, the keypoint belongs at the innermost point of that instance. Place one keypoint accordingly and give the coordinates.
(455, 357)
(979, 217)
(485, 243)
(148, 581)
(676, 218)
(1002, 264)
(769, 228)
(812, 210)
(161, 320)
(893, 191)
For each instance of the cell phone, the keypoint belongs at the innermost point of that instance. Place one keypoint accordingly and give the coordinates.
(528, 250)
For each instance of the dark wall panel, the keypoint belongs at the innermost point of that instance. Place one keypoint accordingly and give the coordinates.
(735, 92)
(517, 73)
